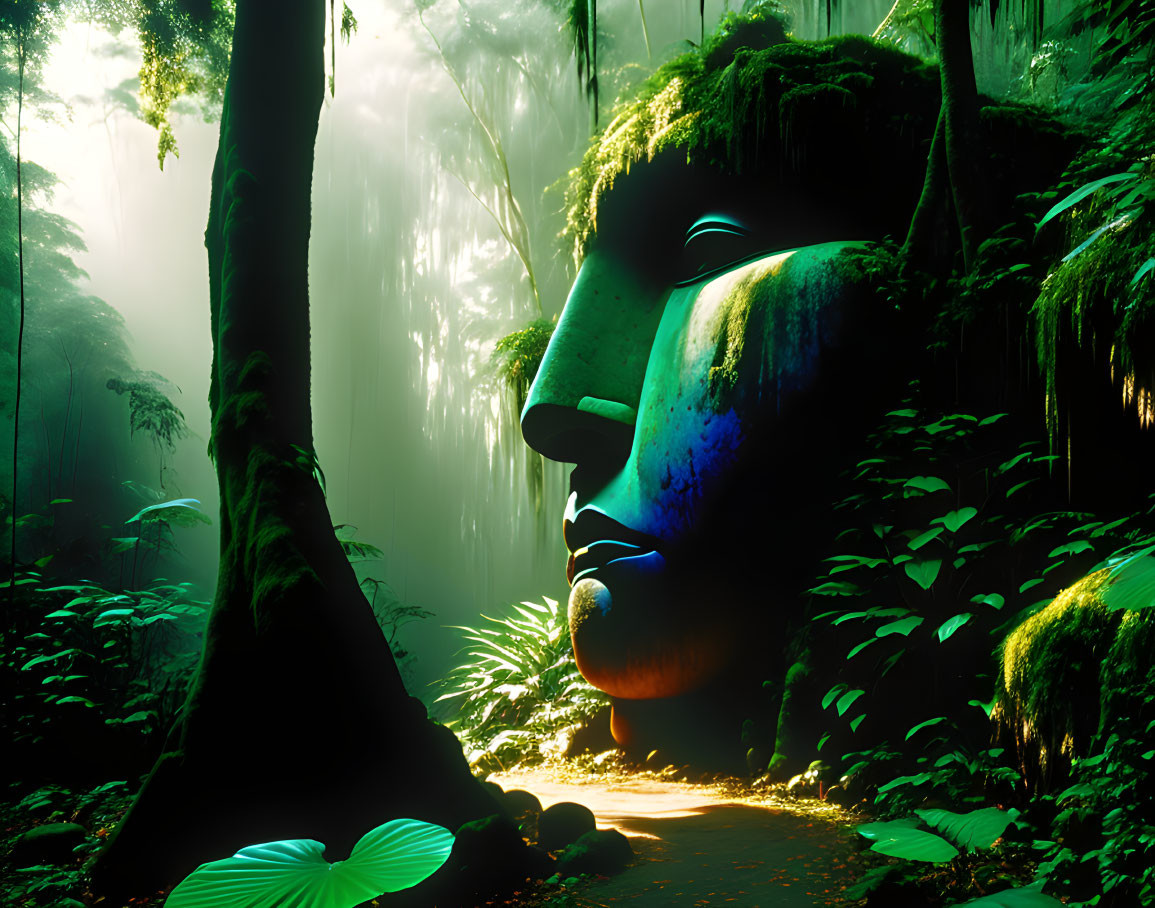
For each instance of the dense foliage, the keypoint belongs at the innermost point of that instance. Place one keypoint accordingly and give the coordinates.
(519, 697)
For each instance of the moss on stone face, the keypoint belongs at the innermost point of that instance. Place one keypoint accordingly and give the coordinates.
(745, 105)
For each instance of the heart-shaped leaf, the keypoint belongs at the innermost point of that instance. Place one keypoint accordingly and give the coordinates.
(394, 856)
(924, 573)
(953, 520)
(918, 484)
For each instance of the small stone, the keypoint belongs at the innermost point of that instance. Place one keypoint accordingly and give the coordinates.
(563, 824)
(51, 843)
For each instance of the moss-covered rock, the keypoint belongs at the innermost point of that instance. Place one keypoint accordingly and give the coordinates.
(1069, 674)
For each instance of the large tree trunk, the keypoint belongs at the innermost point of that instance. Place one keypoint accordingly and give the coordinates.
(964, 145)
(298, 725)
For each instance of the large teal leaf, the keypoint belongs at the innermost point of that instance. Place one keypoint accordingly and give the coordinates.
(1132, 582)
(1024, 897)
(394, 856)
(974, 830)
(899, 840)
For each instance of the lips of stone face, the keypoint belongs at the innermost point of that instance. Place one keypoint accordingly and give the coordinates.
(632, 645)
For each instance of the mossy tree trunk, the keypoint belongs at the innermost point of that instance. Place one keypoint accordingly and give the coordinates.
(298, 725)
(963, 135)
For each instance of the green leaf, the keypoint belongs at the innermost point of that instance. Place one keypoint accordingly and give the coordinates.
(1081, 193)
(985, 707)
(836, 588)
(903, 626)
(39, 660)
(906, 414)
(992, 419)
(831, 694)
(847, 700)
(1071, 548)
(61, 613)
(926, 484)
(975, 830)
(1011, 491)
(1023, 897)
(948, 627)
(1029, 584)
(924, 573)
(858, 649)
(923, 538)
(392, 857)
(994, 600)
(854, 723)
(1132, 583)
(915, 780)
(181, 511)
(83, 700)
(954, 520)
(921, 725)
(900, 841)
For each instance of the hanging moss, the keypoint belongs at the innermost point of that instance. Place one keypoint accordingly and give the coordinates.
(518, 355)
(1099, 297)
(746, 105)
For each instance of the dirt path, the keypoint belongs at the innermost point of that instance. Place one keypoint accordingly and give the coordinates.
(696, 846)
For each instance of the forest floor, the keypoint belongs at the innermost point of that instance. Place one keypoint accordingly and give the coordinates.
(705, 844)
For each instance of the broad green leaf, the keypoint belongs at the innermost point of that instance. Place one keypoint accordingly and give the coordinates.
(392, 857)
(951, 625)
(994, 600)
(992, 419)
(61, 613)
(906, 414)
(924, 573)
(972, 831)
(848, 616)
(926, 484)
(83, 700)
(899, 840)
(1132, 583)
(854, 723)
(923, 538)
(1029, 584)
(921, 725)
(1023, 897)
(873, 831)
(985, 707)
(954, 520)
(847, 700)
(903, 626)
(1081, 193)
